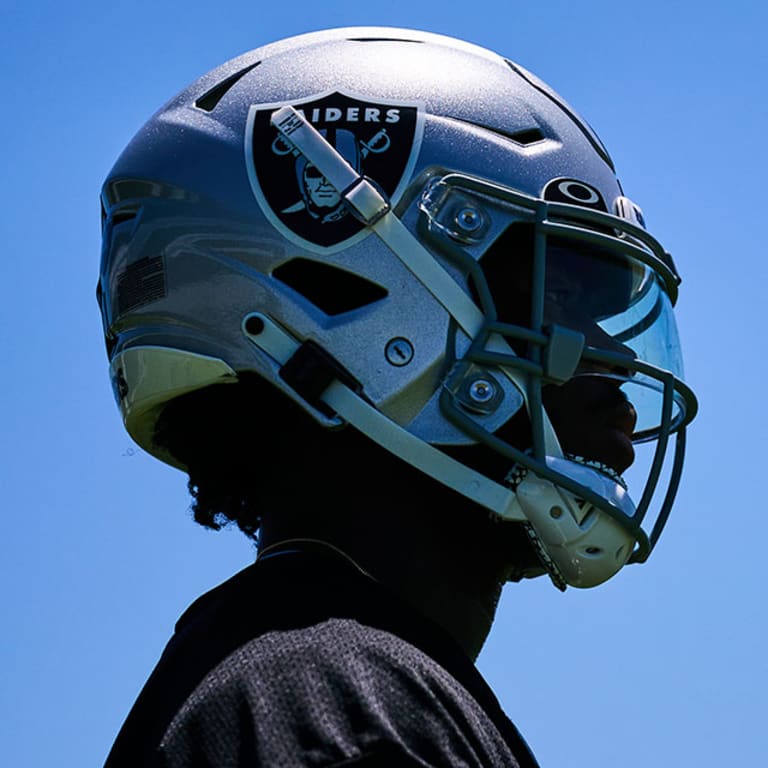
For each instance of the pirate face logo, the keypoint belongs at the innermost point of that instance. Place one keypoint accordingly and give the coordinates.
(380, 140)
(317, 193)
(319, 199)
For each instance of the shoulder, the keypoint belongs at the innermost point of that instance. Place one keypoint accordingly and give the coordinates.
(333, 692)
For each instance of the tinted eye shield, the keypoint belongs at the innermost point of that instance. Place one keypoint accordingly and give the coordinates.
(572, 271)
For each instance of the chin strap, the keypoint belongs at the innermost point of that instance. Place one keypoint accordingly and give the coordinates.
(370, 206)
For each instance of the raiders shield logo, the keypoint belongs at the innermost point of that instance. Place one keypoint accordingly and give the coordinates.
(378, 139)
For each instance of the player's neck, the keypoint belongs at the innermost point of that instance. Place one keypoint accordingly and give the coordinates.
(448, 573)
(466, 616)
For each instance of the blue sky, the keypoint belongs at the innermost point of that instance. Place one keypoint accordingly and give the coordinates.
(666, 664)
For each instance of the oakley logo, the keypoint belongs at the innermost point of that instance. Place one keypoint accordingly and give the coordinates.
(574, 192)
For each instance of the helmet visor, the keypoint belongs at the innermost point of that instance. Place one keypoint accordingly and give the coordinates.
(620, 306)
(597, 286)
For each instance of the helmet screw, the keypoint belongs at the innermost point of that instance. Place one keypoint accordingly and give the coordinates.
(399, 351)
(253, 325)
(556, 512)
(469, 219)
(481, 390)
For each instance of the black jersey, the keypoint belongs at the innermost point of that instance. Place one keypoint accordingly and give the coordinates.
(301, 660)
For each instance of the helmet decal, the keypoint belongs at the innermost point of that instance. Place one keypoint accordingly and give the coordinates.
(378, 139)
(574, 192)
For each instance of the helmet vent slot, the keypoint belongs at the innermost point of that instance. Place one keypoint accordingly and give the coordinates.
(140, 283)
(332, 290)
(382, 40)
(210, 99)
(120, 217)
(522, 137)
(589, 134)
(528, 136)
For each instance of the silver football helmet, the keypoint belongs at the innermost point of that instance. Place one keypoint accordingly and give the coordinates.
(415, 236)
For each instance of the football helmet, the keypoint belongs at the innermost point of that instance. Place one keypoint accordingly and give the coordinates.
(415, 236)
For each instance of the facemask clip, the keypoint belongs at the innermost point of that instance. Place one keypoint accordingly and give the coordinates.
(562, 353)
